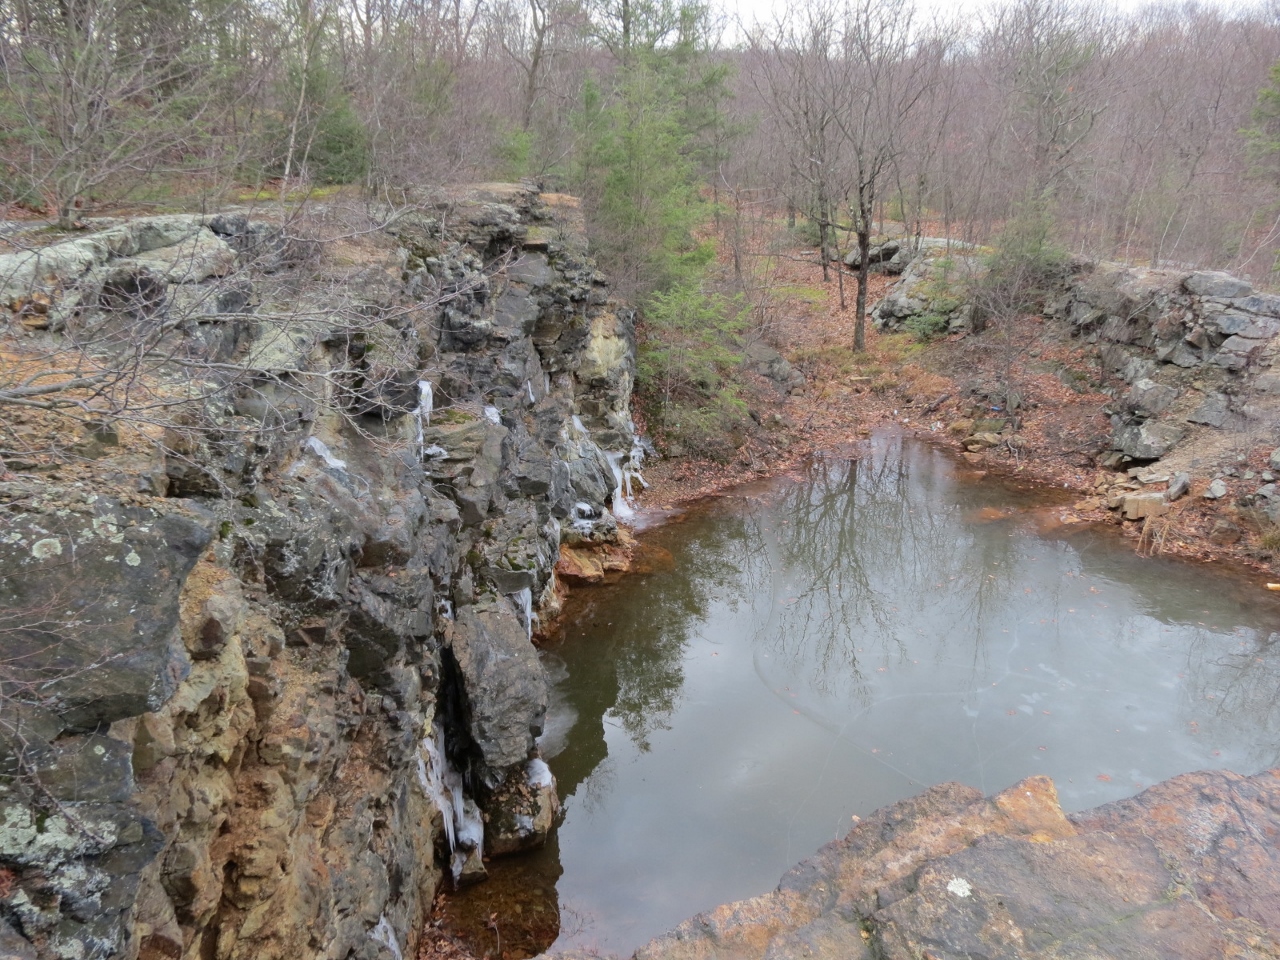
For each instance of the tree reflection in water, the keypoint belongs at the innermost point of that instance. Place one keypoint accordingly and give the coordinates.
(822, 646)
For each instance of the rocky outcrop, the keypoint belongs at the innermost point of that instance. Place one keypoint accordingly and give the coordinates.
(1186, 355)
(273, 665)
(931, 299)
(1187, 869)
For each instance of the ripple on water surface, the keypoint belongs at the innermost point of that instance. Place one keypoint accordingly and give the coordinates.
(824, 646)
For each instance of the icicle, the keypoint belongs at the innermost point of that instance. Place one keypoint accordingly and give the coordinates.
(385, 935)
(584, 518)
(435, 776)
(546, 383)
(528, 385)
(626, 473)
(631, 469)
(422, 413)
(317, 446)
(538, 773)
(524, 600)
(621, 509)
(471, 826)
(463, 824)
(492, 415)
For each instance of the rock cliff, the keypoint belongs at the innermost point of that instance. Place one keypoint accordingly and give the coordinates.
(268, 664)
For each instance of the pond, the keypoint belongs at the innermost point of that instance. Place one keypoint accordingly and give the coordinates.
(810, 649)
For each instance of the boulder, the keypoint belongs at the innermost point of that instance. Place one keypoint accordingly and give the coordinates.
(521, 812)
(981, 441)
(1146, 398)
(503, 684)
(1238, 323)
(1139, 506)
(1216, 490)
(198, 257)
(1149, 440)
(768, 362)
(1236, 352)
(1225, 533)
(1214, 283)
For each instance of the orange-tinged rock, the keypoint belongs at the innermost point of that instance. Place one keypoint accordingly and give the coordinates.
(579, 566)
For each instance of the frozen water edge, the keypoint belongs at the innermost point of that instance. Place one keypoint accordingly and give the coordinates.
(463, 825)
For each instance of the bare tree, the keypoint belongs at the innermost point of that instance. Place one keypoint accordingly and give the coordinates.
(848, 84)
(106, 92)
(892, 68)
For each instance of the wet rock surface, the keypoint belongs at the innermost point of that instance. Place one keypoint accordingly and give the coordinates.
(234, 652)
(1189, 868)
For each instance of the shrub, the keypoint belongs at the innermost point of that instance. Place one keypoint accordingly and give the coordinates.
(806, 233)
(687, 355)
(1024, 268)
(926, 326)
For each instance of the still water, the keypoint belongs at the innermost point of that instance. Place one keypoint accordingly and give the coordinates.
(814, 648)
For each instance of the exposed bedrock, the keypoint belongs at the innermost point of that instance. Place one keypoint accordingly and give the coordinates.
(1188, 356)
(252, 669)
(1188, 869)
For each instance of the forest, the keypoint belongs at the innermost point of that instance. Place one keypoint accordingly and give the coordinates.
(1036, 129)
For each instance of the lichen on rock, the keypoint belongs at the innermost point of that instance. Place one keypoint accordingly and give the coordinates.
(235, 650)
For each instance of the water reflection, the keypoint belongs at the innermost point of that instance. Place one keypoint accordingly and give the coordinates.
(824, 646)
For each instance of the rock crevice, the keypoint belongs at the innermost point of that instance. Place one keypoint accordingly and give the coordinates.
(236, 657)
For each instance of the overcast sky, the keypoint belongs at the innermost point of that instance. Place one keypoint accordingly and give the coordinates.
(748, 11)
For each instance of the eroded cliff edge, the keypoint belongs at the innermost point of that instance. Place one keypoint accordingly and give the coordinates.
(268, 627)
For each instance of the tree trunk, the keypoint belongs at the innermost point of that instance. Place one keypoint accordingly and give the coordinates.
(864, 275)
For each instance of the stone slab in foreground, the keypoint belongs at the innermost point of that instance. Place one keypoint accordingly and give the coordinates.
(1187, 869)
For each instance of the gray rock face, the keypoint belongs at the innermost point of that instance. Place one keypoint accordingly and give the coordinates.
(1207, 283)
(1150, 399)
(504, 686)
(1148, 440)
(118, 654)
(243, 681)
(1213, 411)
(1160, 331)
